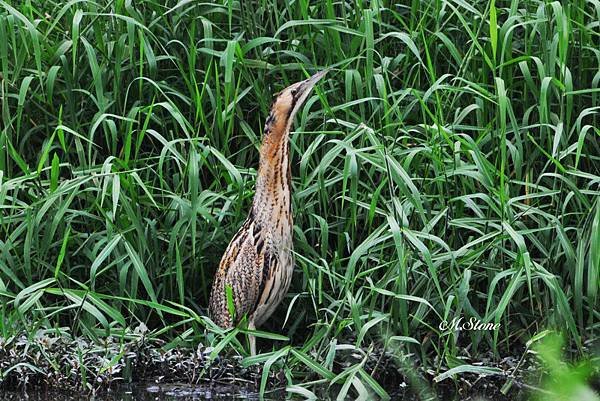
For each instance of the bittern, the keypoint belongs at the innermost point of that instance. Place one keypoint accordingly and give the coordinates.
(258, 263)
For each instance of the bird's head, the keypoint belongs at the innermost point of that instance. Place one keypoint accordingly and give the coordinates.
(289, 100)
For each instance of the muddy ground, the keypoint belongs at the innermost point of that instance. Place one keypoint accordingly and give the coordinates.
(141, 368)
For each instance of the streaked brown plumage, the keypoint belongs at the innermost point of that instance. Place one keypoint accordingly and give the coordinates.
(258, 263)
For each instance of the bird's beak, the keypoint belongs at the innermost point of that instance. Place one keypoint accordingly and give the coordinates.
(302, 90)
(312, 81)
(315, 78)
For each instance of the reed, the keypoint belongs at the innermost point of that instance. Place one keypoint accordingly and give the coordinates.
(449, 166)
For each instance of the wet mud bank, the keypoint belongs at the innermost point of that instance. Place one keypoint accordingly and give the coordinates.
(139, 367)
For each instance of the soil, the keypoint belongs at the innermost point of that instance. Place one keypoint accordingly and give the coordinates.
(55, 367)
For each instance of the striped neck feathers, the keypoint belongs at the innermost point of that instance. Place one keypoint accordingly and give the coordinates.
(274, 175)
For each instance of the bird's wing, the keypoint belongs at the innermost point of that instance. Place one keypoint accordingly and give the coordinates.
(241, 269)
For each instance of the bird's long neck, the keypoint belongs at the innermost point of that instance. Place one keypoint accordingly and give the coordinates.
(272, 200)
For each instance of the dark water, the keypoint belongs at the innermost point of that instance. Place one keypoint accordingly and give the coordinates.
(221, 392)
(149, 392)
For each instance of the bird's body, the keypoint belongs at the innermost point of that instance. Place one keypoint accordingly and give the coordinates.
(258, 263)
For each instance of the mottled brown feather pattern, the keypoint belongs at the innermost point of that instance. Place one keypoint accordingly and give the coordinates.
(258, 263)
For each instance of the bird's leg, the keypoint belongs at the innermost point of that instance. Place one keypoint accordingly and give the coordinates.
(252, 339)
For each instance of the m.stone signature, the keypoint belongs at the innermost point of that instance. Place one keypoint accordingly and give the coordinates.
(473, 324)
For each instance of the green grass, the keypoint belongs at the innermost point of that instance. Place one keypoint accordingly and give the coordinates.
(449, 166)
(564, 381)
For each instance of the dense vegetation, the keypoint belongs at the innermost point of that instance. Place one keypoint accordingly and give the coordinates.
(449, 166)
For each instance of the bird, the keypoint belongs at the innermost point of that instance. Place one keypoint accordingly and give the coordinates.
(256, 269)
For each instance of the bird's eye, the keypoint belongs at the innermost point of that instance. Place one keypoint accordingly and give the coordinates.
(294, 91)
